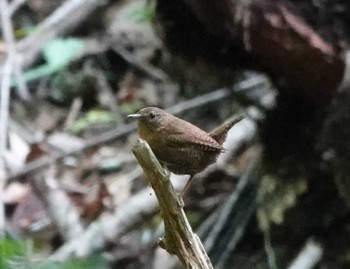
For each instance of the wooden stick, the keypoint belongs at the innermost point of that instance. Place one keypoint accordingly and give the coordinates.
(178, 238)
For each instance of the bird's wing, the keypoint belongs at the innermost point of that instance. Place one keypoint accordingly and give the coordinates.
(193, 139)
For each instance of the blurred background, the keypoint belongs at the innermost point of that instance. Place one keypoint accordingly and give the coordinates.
(72, 194)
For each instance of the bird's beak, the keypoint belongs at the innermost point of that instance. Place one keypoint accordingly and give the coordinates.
(134, 116)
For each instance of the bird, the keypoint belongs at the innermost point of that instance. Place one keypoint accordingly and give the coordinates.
(180, 146)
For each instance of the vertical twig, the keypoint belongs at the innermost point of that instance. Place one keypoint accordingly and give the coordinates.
(271, 257)
(4, 97)
(9, 38)
(73, 113)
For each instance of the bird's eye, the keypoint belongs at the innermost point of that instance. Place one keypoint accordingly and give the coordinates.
(152, 115)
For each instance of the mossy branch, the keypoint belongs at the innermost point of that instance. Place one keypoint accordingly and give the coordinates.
(178, 238)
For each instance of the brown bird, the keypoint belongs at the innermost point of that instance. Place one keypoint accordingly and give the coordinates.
(179, 145)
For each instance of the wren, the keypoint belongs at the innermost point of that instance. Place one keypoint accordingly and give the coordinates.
(180, 146)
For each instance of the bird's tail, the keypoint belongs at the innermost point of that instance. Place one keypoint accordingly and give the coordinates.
(220, 132)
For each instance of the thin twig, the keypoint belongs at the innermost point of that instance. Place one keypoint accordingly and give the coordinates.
(2, 205)
(58, 204)
(21, 83)
(45, 161)
(271, 256)
(5, 100)
(152, 72)
(308, 257)
(109, 226)
(9, 38)
(73, 113)
(237, 211)
(247, 84)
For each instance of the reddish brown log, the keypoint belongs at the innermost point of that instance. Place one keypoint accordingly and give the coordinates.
(279, 40)
(288, 47)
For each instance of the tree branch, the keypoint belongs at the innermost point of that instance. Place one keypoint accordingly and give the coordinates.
(178, 238)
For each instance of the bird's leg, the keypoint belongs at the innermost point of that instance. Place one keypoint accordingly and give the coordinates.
(186, 186)
(181, 194)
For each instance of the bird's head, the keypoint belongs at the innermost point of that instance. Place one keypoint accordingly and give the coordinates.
(149, 118)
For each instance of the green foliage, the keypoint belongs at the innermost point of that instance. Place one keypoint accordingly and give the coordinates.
(22, 32)
(92, 117)
(9, 249)
(143, 14)
(68, 85)
(194, 217)
(132, 107)
(275, 196)
(57, 54)
(13, 255)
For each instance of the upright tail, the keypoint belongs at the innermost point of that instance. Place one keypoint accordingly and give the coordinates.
(220, 132)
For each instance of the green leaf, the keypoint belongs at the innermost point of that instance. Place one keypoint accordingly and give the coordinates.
(143, 14)
(13, 254)
(57, 53)
(92, 117)
(21, 32)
